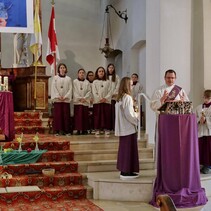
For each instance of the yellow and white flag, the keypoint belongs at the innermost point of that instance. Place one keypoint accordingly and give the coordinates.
(36, 38)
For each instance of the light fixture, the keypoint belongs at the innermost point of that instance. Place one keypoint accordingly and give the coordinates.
(107, 50)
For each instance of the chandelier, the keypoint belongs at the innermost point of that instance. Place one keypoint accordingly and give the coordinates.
(106, 31)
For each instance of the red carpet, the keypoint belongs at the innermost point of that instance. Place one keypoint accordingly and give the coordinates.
(65, 205)
(64, 191)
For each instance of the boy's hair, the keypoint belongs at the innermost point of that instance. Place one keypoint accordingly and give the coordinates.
(207, 93)
(170, 71)
(135, 75)
(124, 88)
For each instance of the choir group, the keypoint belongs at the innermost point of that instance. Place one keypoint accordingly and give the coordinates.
(93, 96)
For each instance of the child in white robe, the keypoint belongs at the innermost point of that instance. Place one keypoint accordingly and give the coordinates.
(203, 114)
(81, 101)
(102, 93)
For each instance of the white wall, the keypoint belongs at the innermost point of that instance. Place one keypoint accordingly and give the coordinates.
(207, 43)
(78, 26)
(176, 34)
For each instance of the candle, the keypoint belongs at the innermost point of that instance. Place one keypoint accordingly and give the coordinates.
(6, 83)
(0, 83)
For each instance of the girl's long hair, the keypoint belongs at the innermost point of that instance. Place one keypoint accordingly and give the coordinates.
(113, 74)
(124, 88)
(96, 73)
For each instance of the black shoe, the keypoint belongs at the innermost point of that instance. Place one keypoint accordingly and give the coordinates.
(84, 132)
(125, 176)
(205, 170)
(78, 132)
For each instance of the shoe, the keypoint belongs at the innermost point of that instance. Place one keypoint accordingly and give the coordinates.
(205, 170)
(84, 132)
(126, 176)
(78, 132)
(68, 134)
(57, 134)
(107, 134)
(97, 134)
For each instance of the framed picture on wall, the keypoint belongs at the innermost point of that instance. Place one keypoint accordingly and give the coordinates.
(16, 16)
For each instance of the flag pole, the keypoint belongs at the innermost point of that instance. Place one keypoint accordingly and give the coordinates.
(53, 2)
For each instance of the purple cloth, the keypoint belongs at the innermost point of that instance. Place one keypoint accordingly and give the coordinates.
(61, 117)
(128, 159)
(113, 102)
(102, 116)
(7, 115)
(178, 171)
(81, 117)
(205, 150)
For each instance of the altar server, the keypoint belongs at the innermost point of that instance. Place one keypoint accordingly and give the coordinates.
(61, 96)
(126, 123)
(81, 101)
(203, 114)
(102, 93)
(90, 77)
(137, 88)
(115, 81)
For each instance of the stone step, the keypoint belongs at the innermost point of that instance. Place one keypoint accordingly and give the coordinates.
(109, 186)
(110, 165)
(100, 144)
(95, 155)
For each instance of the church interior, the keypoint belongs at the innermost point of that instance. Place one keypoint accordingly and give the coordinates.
(146, 37)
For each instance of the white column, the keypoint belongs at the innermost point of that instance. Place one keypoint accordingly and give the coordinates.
(168, 46)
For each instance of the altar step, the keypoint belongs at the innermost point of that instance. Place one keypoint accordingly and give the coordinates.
(67, 183)
(49, 142)
(59, 179)
(100, 154)
(30, 122)
(56, 193)
(110, 165)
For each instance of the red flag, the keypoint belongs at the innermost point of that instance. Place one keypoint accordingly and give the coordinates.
(52, 48)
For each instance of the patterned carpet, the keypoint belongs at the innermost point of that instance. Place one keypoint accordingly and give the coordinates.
(65, 205)
(64, 191)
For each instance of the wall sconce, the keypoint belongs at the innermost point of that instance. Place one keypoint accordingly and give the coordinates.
(107, 50)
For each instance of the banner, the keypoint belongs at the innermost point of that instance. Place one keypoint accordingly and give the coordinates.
(52, 48)
(36, 37)
(16, 16)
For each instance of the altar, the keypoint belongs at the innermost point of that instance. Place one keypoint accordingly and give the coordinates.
(7, 115)
(178, 170)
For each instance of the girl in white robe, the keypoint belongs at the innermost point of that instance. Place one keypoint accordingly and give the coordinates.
(102, 93)
(61, 96)
(81, 101)
(115, 81)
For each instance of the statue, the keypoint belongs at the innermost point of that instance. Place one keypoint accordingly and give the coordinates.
(20, 50)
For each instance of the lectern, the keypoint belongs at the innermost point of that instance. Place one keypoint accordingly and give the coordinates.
(178, 171)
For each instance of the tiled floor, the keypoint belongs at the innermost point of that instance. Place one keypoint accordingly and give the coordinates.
(138, 206)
